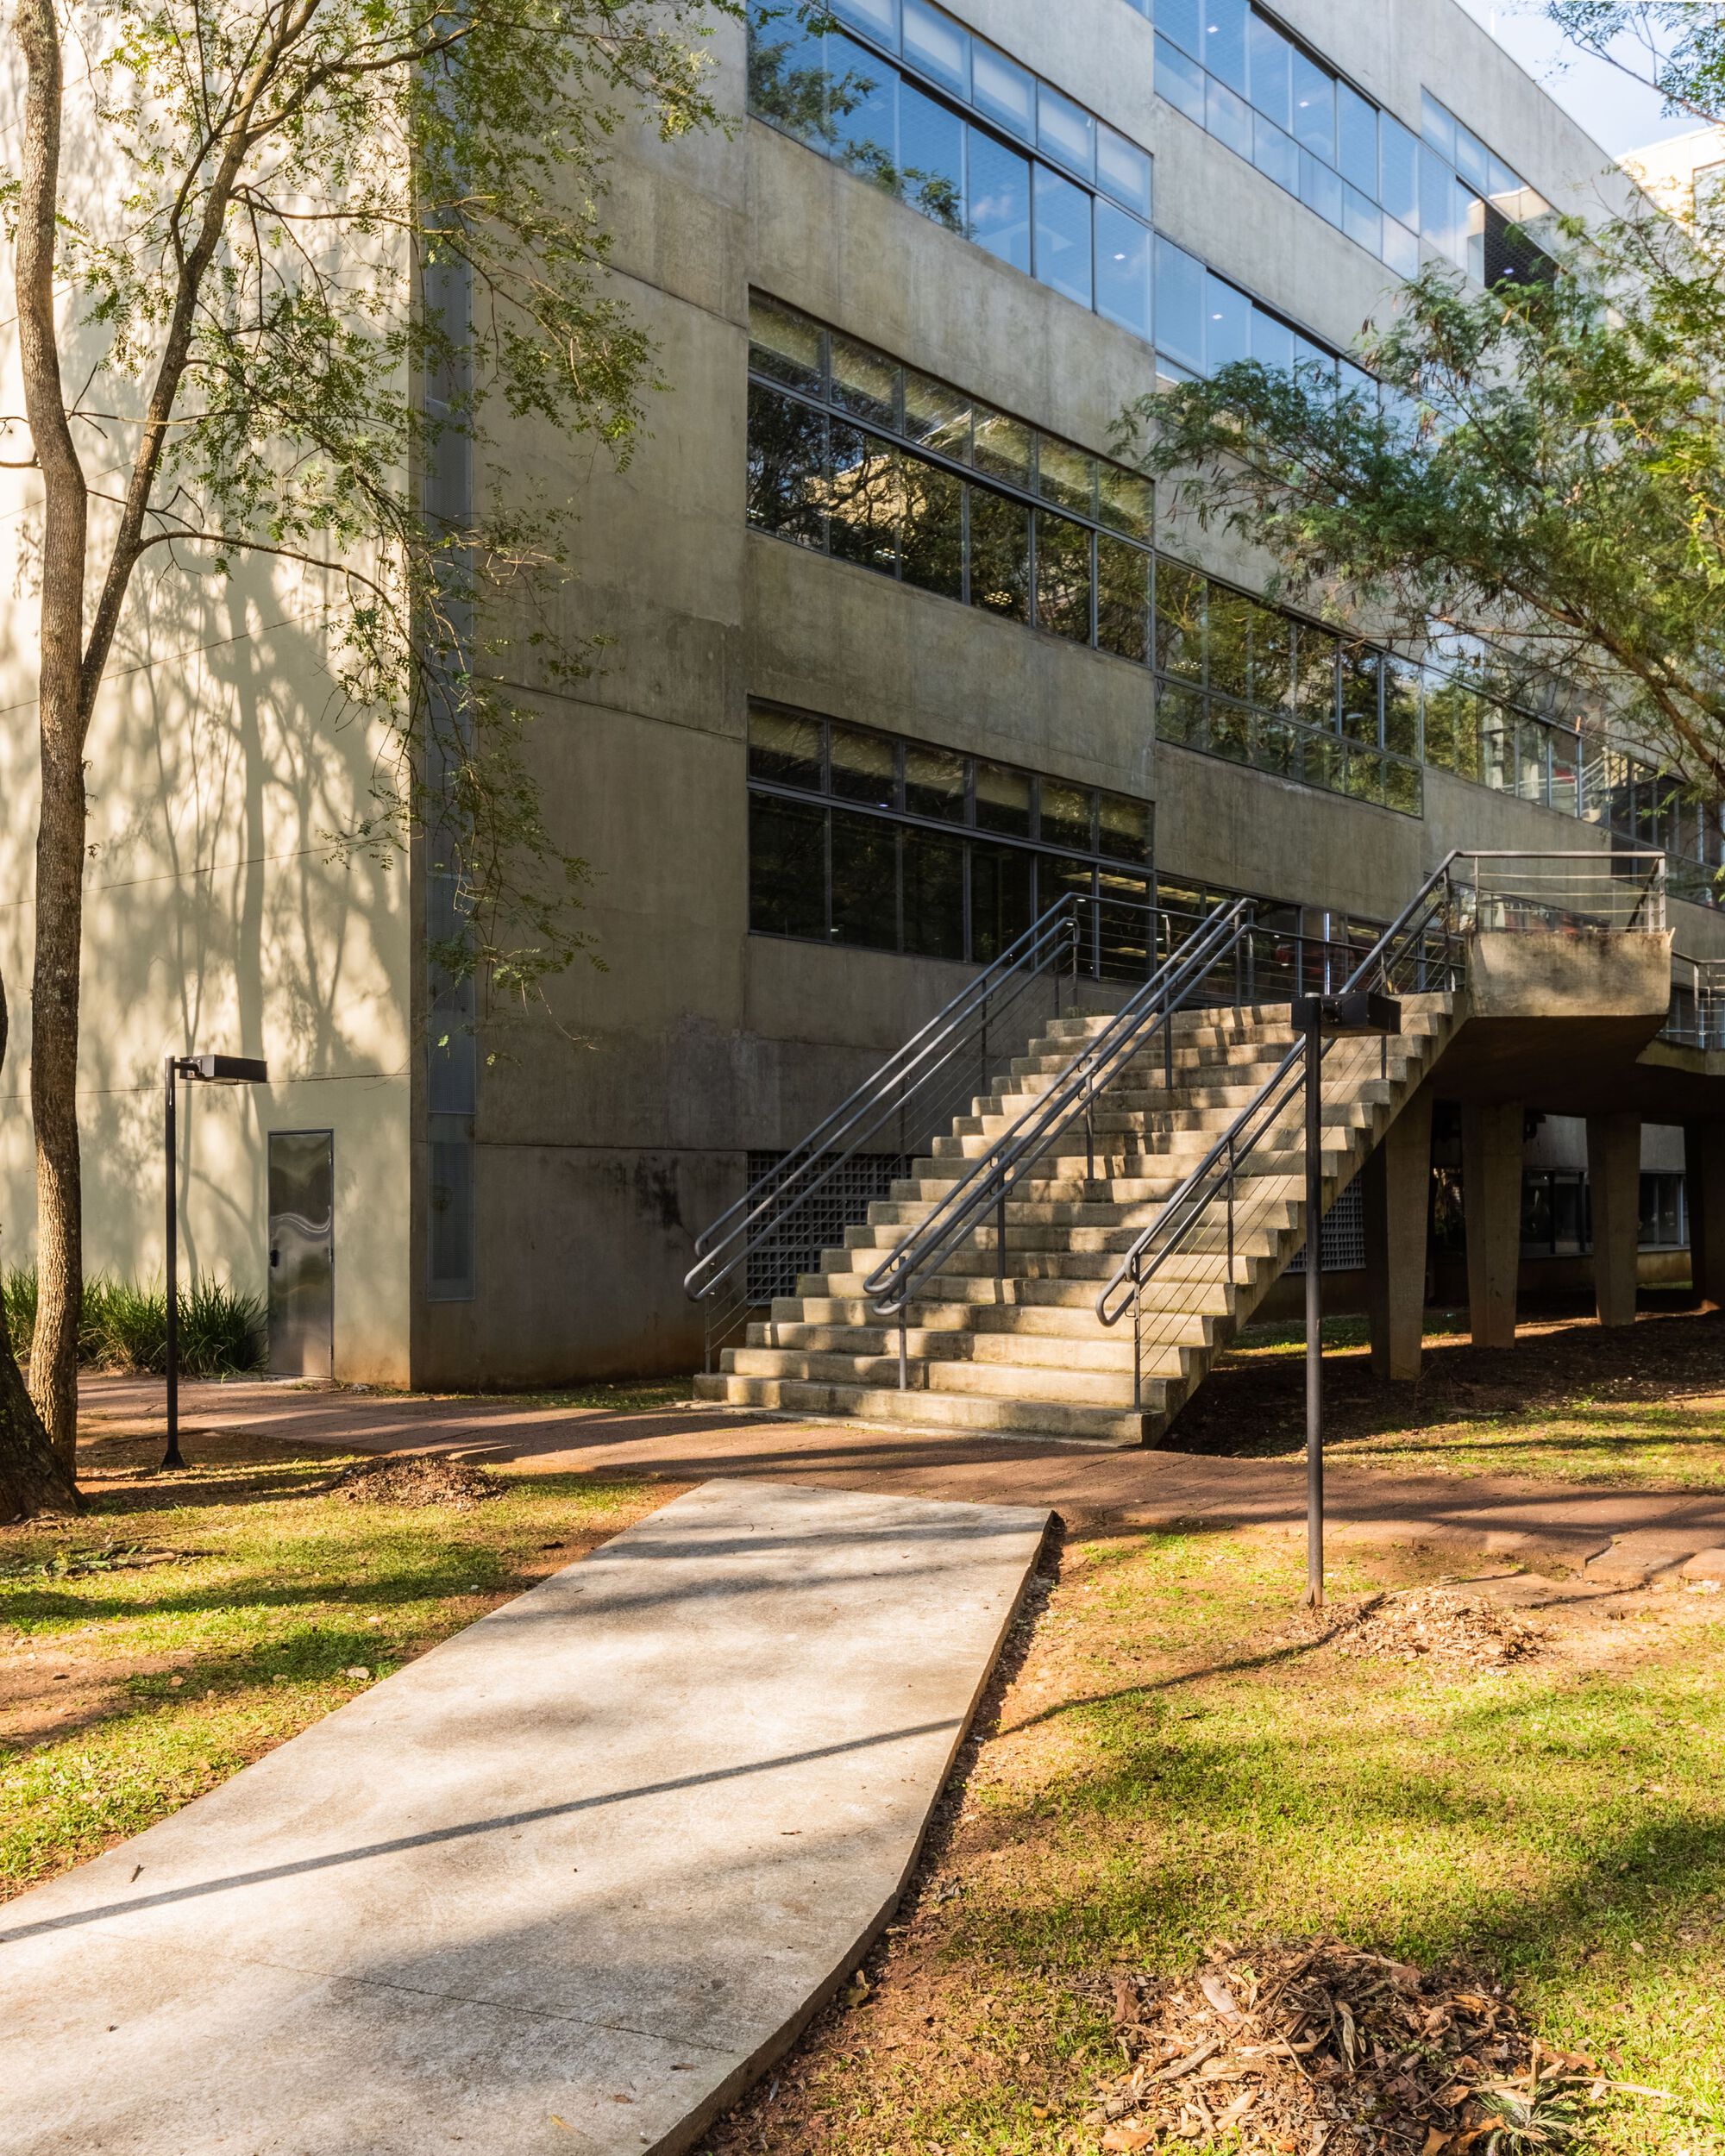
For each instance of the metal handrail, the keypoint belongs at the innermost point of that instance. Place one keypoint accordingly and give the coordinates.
(985, 1186)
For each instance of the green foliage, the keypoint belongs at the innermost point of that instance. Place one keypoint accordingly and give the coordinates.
(1676, 46)
(123, 1326)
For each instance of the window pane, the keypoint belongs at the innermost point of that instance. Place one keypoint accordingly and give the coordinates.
(934, 895)
(1063, 577)
(1000, 199)
(1123, 171)
(1316, 368)
(1179, 19)
(1180, 80)
(1000, 899)
(786, 70)
(1270, 58)
(1002, 446)
(1319, 189)
(1361, 220)
(786, 466)
(878, 18)
(1127, 501)
(864, 381)
(1122, 598)
(1402, 707)
(1398, 167)
(1359, 694)
(1400, 248)
(864, 767)
(1316, 688)
(1438, 126)
(1273, 660)
(786, 344)
(1223, 51)
(1179, 622)
(865, 882)
(1276, 155)
(934, 783)
(1179, 715)
(863, 95)
(931, 539)
(999, 555)
(1228, 117)
(1272, 342)
(936, 44)
(1356, 139)
(1065, 819)
(1314, 109)
(1063, 234)
(931, 158)
(1123, 293)
(1002, 799)
(1227, 324)
(1002, 90)
(1179, 306)
(1066, 132)
(1122, 828)
(1437, 200)
(937, 414)
(1473, 164)
(863, 503)
(1066, 476)
(1230, 641)
(786, 868)
(785, 747)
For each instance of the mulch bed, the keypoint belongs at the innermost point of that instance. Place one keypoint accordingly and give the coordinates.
(417, 1478)
(1451, 1628)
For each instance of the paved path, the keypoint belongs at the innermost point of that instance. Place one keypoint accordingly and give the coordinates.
(1090, 1487)
(564, 1882)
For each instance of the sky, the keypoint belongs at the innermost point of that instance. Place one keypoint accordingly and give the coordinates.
(1618, 113)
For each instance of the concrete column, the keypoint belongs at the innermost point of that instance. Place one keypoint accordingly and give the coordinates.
(1704, 1164)
(1491, 1202)
(1395, 1186)
(1614, 1176)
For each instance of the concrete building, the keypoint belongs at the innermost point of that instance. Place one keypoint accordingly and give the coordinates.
(901, 653)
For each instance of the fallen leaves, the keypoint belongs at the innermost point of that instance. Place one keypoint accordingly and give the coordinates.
(417, 1478)
(1448, 1625)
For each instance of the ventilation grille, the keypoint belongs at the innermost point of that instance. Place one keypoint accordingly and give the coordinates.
(775, 1266)
(1343, 1238)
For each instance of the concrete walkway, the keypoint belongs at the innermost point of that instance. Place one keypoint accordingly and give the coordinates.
(566, 1882)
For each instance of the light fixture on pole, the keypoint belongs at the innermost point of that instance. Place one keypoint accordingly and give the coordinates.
(210, 1070)
(1358, 1014)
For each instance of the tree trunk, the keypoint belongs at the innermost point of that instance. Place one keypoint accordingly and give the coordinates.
(63, 717)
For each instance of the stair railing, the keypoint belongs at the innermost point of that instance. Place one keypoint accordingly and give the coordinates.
(983, 1192)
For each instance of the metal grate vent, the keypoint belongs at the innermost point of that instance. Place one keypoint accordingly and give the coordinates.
(775, 1265)
(1344, 1236)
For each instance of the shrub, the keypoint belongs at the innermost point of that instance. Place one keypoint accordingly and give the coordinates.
(18, 1291)
(124, 1326)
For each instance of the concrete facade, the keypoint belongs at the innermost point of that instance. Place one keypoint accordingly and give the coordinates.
(608, 1134)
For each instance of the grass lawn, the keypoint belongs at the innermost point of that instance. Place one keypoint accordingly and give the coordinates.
(126, 1689)
(1168, 1769)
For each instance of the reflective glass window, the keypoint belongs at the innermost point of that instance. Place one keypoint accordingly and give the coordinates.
(1356, 139)
(1063, 234)
(1065, 815)
(786, 747)
(864, 767)
(1122, 827)
(1000, 199)
(863, 99)
(1063, 577)
(786, 344)
(1276, 154)
(1361, 220)
(1314, 107)
(786, 867)
(1065, 132)
(1180, 305)
(1123, 286)
(1315, 656)
(1123, 171)
(937, 415)
(863, 497)
(999, 555)
(931, 158)
(1271, 71)
(787, 70)
(1002, 445)
(878, 18)
(1398, 169)
(1122, 598)
(934, 895)
(787, 480)
(1473, 162)
(864, 381)
(937, 46)
(1228, 642)
(1003, 799)
(1320, 188)
(865, 882)
(934, 783)
(1066, 477)
(1437, 199)
(1227, 324)
(1003, 89)
(1180, 80)
(1317, 367)
(932, 530)
(1224, 47)
(1272, 342)
(1001, 879)
(1438, 126)
(1127, 501)
(1179, 622)
(1228, 117)
(1273, 660)
(1400, 248)
(1359, 694)
(1181, 20)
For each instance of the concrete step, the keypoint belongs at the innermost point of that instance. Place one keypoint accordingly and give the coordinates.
(952, 1414)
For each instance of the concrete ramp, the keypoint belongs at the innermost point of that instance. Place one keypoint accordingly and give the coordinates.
(565, 1883)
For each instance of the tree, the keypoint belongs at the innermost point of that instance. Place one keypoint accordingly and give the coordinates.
(326, 206)
(1541, 485)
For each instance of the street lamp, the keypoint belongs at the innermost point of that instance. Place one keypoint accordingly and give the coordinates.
(1357, 1015)
(210, 1070)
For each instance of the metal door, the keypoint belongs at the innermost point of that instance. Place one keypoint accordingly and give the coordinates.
(302, 1293)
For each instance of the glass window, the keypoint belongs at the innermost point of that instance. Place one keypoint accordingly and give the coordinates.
(1229, 118)
(934, 895)
(1123, 287)
(1472, 162)
(1179, 306)
(1063, 234)
(1003, 89)
(1361, 220)
(1320, 188)
(1229, 641)
(1180, 80)
(931, 536)
(863, 93)
(1002, 799)
(1437, 199)
(1179, 715)
(937, 414)
(1063, 577)
(1066, 476)
(1002, 446)
(865, 882)
(1356, 382)
(1179, 622)
(787, 345)
(1122, 827)
(1438, 126)
(1001, 884)
(1398, 169)
(1227, 324)
(999, 555)
(787, 70)
(936, 44)
(1066, 132)
(1316, 653)
(1066, 816)
(785, 747)
(1400, 248)
(786, 867)
(786, 468)
(1273, 660)
(934, 783)
(1179, 19)
(1270, 60)
(1223, 51)
(1276, 155)
(878, 18)
(1314, 107)
(1316, 368)
(864, 381)
(864, 500)
(864, 767)
(931, 158)
(1127, 501)
(1272, 342)
(1000, 199)
(1356, 139)
(1122, 598)
(1123, 171)
(1359, 694)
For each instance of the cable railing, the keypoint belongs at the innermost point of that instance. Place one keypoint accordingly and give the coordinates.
(1243, 1196)
(1697, 1003)
(1216, 947)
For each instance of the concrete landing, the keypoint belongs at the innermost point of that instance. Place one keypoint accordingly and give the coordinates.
(565, 1883)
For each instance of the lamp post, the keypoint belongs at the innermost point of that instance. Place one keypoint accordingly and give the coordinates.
(211, 1070)
(1359, 1014)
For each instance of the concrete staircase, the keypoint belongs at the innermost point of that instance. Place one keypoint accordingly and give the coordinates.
(1024, 1353)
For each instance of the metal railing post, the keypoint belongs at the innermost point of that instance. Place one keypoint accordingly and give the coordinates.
(1137, 1340)
(904, 1343)
(1000, 1234)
